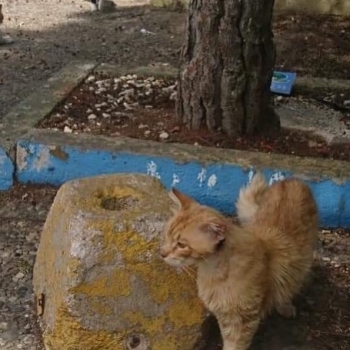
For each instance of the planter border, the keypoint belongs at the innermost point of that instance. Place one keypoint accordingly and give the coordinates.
(212, 176)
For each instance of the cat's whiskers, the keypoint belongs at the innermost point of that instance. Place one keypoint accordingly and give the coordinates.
(191, 269)
(204, 259)
(188, 272)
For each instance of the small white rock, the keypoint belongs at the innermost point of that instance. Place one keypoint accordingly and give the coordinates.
(18, 276)
(279, 98)
(100, 90)
(143, 126)
(106, 115)
(67, 130)
(346, 103)
(127, 93)
(164, 135)
(91, 79)
(127, 106)
(92, 117)
(147, 132)
(173, 96)
(5, 255)
(169, 89)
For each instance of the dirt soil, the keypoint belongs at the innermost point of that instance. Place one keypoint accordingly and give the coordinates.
(23, 211)
(144, 108)
(322, 323)
(50, 33)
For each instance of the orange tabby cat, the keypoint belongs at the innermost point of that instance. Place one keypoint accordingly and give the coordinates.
(243, 272)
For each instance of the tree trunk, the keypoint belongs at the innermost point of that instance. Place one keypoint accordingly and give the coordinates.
(227, 64)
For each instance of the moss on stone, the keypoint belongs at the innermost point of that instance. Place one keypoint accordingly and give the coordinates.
(93, 261)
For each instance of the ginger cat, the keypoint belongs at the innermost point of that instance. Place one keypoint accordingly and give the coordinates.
(244, 272)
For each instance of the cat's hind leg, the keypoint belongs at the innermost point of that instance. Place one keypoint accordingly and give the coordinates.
(237, 332)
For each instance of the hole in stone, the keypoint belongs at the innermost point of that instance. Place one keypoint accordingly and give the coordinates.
(134, 342)
(118, 203)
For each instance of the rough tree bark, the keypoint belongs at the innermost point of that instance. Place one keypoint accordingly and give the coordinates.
(227, 64)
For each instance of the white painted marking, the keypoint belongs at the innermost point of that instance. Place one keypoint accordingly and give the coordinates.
(176, 180)
(42, 159)
(212, 181)
(152, 169)
(278, 176)
(201, 177)
(250, 175)
(21, 156)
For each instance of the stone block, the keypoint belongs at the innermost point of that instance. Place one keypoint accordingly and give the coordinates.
(98, 278)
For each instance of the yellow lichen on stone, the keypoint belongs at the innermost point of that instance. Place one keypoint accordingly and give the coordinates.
(99, 307)
(117, 283)
(70, 335)
(160, 330)
(99, 268)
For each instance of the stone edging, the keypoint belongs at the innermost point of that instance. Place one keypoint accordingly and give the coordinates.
(34, 108)
(212, 176)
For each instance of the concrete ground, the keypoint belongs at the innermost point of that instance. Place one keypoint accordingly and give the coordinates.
(49, 34)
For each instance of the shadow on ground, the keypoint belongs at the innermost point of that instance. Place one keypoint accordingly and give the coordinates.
(322, 323)
(50, 34)
(110, 38)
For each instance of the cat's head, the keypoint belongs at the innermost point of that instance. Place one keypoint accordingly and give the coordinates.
(193, 234)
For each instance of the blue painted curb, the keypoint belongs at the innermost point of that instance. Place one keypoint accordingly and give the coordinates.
(6, 171)
(215, 184)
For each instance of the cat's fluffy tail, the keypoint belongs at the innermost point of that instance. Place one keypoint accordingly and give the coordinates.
(250, 197)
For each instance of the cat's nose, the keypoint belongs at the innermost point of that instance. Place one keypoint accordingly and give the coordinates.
(163, 254)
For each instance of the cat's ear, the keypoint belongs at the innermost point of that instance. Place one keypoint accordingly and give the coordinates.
(179, 199)
(216, 228)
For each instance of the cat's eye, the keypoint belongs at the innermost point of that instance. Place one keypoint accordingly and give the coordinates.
(181, 245)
